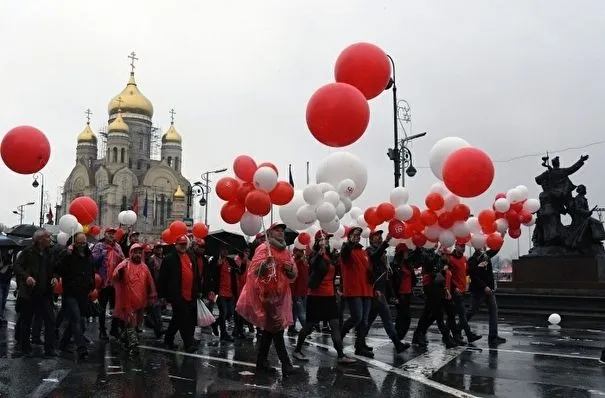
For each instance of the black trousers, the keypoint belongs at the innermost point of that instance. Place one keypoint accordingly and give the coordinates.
(184, 319)
(265, 345)
(107, 295)
(43, 308)
(404, 317)
(433, 310)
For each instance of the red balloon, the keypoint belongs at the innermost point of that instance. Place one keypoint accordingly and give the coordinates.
(168, 237)
(489, 228)
(487, 217)
(514, 233)
(258, 203)
(428, 217)
(518, 207)
(232, 212)
(244, 167)
(463, 240)
(364, 66)
(282, 194)
(59, 287)
(269, 164)
(397, 229)
(446, 220)
(419, 239)
(408, 231)
(304, 238)
(494, 241)
(243, 191)
(98, 281)
(93, 295)
(385, 211)
(525, 217)
(25, 150)
(371, 216)
(199, 230)
(95, 230)
(461, 212)
(226, 188)
(434, 201)
(178, 229)
(337, 114)
(415, 215)
(500, 215)
(512, 216)
(501, 195)
(119, 234)
(468, 172)
(85, 209)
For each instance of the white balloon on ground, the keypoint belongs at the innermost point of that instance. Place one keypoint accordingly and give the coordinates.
(473, 225)
(332, 197)
(68, 223)
(130, 217)
(439, 188)
(62, 238)
(340, 210)
(404, 212)
(361, 221)
(501, 225)
(306, 214)
(288, 212)
(312, 194)
(447, 238)
(531, 205)
(523, 192)
(460, 229)
(346, 188)
(347, 203)
(365, 233)
(478, 240)
(441, 150)
(325, 212)
(265, 178)
(502, 205)
(339, 166)
(399, 196)
(554, 319)
(250, 224)
(450, 201)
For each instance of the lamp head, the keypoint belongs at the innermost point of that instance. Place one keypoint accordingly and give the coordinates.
(35, 184)
(411, 171)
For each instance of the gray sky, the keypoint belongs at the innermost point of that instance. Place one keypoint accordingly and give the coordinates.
(511, 77)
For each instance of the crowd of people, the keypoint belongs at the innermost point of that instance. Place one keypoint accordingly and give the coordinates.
(266, 289)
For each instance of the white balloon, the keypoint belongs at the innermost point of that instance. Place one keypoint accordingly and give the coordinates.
(441, 150)
(478, 241)
(439, 188)
(447, 238)
(365, 233)
(68, 224)
(340, 233)
(523, 192)
(532, 221)
(531, 205)
(298, 245)
(312, 194)
(554, 319)
(433, 232)
(514, 195)
(347, 203)
(473, 225)
(129, 218)
(460, 229)
(250, 224)
(429, 244)
(501, 225)
(502, 205)
(306, 214)
(325, 212)
(121, 216)
(287, 213)
(339, 166)
(312, 230)
(79, 228)
(336, 244)
(62, 238)
(346, 188)
(451, 201)
(361, 221)
(404, 212)
(399, 196)
(340, 210)
(331, 227)
(355, 212)
(265, 178)
(326, 186)
(332, 197)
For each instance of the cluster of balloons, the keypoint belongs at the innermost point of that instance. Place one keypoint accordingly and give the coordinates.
(338, 113)
(179, 228)
(510, 210)
(466, 171)
(82, 212)
(250, 196)
(25, 150)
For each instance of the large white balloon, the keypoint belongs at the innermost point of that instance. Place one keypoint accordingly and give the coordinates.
(523, 192)
(441, 150)
(121, 216)
(347, 203)
(514, 195)
(447, 238)
(312, 194)
(399, 196)
(502, 205)
(250, 224)
(62, 238)
(287, 213)
(531, 205)
(325, 212)
(68, 224)
(332, 197)
(339, 166)
(404, 212)
(265, 178)
(460, 229)
(361, 221)
(340, 210)
(346, 188)
(473, 225)
(355, 212)
(129, 218)
(306, 214)
(331, 227)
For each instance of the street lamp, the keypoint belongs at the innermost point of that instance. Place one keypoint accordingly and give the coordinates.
(202, 188)
(20, 211)
(35, 184)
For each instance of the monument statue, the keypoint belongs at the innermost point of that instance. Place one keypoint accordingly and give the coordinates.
(584, 236)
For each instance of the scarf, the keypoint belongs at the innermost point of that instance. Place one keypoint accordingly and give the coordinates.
(280, 245)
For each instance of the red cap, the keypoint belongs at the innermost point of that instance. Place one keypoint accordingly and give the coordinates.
(110, 229)
(322, 234)
(183, 240)
(135, 247)
(277, 225)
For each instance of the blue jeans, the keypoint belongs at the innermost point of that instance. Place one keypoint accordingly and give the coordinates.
(492, 307)
(4, 288)
(226, 309)
(71, 312)
(299, 310)
(359, 308)
(381, 307)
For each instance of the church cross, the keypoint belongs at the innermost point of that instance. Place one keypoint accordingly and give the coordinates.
(133, 57)
(120, 103)
(172, 113)
(88, 112)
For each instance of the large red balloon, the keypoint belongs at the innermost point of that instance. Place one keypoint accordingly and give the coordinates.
(282, 194)
(397, 229)
(85, 209)
(25, 150)
(178, 229)
(468, 172)
(258, 203)
(364, 66)
(226, 188)
(244, 167)
(486, 217)
(199, 230)
(337, 114)
(168, 237)
(385, 211)
(371, 216)
(232, 212)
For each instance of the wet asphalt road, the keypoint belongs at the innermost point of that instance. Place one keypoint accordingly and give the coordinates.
(537, 361)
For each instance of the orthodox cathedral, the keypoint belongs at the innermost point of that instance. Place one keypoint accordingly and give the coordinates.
(117, 169)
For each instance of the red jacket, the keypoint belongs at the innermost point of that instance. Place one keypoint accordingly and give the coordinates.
(301, 284)
(457, 265)
(355, 271)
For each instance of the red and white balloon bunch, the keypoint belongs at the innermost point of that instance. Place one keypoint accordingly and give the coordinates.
(250, 196)
(338, 113)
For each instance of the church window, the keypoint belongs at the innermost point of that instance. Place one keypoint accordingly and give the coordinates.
(162, 209)
(169, 161)
(122, 155)
(169, 209)
(176, 163)
(124, 203)
(115, 154)
(89, 162)
(139, 164)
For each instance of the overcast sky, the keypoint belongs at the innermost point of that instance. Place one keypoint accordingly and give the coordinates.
(511, 77)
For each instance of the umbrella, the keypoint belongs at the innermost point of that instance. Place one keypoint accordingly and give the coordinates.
(8, 243)
(236, 243)
(23, 230)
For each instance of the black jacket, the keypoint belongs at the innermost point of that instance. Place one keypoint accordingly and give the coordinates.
(38, 265)
(399, 263)
(481, 276)
(77, 274)
(381, 276)
(170, 282)
(318, 269)
(215, 270)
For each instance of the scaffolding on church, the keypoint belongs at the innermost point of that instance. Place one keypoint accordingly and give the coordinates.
(155, 149)
(102, 142)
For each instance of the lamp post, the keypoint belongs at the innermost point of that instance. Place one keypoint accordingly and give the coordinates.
(202, 188)
(196, 189)
(20, 211)
(35, 184)
(206, 179)
(396, 158)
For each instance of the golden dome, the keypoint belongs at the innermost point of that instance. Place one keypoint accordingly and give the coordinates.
(172, 135)
(131, 100)
(179, 194)
(118, 125)
(87, 135)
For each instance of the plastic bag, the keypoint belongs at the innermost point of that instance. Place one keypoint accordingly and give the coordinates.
(204, 316)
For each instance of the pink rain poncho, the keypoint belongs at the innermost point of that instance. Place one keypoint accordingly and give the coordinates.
(134, 291)
(266, 301)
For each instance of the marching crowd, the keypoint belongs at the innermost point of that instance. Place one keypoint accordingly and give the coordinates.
(266, 288)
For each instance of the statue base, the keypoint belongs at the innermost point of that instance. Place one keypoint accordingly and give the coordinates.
(594, 250)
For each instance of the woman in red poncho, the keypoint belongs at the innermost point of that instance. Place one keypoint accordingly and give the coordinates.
(266, 300)
(135, 290)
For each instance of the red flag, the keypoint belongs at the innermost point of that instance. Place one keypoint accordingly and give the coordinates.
(135, 203)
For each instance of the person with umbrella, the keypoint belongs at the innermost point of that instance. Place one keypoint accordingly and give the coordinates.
(224, 276)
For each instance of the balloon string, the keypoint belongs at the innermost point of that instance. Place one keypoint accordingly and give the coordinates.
(272, 274)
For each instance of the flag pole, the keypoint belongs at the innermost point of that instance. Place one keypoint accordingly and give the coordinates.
(307, 173)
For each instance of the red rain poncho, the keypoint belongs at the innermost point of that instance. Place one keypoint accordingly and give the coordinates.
(134, 291)
(266, 301)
